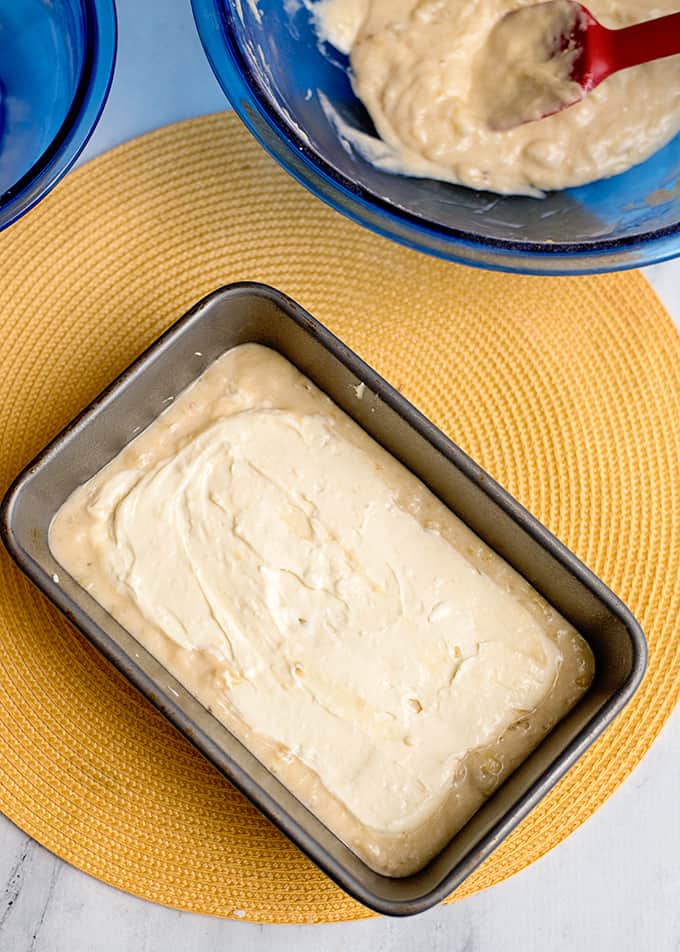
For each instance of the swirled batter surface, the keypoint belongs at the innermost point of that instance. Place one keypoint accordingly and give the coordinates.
(324, 605)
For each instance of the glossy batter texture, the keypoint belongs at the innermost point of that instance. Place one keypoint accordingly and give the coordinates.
(442, 91)
(324, 605)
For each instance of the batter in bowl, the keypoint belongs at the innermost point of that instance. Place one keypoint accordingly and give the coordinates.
(428, 72)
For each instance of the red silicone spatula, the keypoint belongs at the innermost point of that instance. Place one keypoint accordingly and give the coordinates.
(603, 51)
(595, 52)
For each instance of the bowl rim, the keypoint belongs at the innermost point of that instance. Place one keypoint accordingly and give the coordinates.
(89, 99)
(215, 23)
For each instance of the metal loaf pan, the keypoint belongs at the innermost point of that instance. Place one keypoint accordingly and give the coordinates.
(250, 312)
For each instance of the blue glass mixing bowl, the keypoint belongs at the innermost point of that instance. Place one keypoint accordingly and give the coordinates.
(56, 64)
(295, 96)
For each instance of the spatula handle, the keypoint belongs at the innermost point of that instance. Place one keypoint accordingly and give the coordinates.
(643, 42)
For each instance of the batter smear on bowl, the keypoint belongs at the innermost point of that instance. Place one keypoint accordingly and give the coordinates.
(324, 605)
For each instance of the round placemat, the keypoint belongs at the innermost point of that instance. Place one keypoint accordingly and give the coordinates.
(566, 390)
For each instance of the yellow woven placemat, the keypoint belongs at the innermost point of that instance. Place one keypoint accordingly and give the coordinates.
(566, 390)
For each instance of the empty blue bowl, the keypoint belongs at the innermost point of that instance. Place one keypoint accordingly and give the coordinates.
(56, 64)
(269, 62)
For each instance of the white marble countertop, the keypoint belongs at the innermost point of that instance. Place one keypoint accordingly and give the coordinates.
(613, 885)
